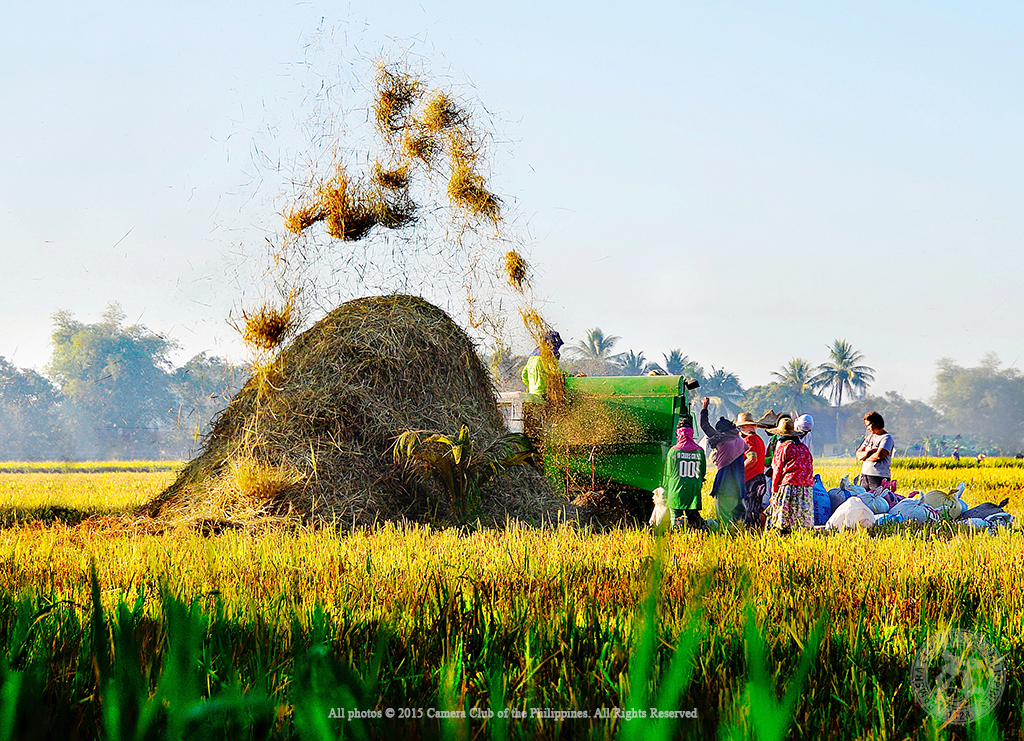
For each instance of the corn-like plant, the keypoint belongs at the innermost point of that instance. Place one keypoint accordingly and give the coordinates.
(462, 467)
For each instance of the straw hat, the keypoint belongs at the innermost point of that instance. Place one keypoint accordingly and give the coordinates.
(745, 418)
(785, 428)
(770, 419)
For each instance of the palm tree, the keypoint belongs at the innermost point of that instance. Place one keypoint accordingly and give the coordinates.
(796, 379)
(597, 346)
(677, 364)
(724, 390)
(633, 364)
(675, 361)
(842, 372)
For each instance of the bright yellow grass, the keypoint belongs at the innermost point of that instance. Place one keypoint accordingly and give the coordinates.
(84, 491)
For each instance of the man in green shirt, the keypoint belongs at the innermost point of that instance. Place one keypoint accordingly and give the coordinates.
(535, 375)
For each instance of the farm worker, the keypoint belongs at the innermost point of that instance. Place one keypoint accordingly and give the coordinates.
(773, 440)
(535, 375)
(685, 467)
(754, 482)
(792, 502)
(804, 424)
(875, 452)
(727, 449)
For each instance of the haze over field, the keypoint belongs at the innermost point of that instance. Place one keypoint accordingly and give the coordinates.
(746, 184)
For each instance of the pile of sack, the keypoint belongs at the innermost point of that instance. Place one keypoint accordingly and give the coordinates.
(850, 506)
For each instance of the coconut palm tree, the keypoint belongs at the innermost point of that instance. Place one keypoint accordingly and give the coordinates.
(795, 379)
(842, 372)
(724, 390)
(598, 346)
(677, 364)
(633, 364)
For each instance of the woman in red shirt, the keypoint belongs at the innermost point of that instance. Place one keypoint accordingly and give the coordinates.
(753, 470)
(792, 502)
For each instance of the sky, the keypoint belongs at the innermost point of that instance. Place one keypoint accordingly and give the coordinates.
(747, 182)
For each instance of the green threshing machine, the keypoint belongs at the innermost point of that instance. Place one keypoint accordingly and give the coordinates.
(614, 434)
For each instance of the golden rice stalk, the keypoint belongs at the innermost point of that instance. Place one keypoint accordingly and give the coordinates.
(515, 269)
(395, 179)
(302, 217)
(467, 189)
(393, 212)
(268, 326)
(396, 94)
(441, 112)
(348, 212)
(421, 147)
(258, 481)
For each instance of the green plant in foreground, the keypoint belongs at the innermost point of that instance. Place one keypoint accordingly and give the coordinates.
(462, 467)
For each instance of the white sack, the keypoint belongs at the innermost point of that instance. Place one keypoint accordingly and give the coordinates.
(852, 513)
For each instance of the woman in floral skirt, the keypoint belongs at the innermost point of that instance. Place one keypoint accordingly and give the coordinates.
(792, 503)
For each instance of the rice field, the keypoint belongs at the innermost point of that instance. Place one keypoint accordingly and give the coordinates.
(106, 632)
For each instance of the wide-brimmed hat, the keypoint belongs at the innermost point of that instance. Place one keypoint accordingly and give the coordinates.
(745, 418)
(770, 418)
(785, 429)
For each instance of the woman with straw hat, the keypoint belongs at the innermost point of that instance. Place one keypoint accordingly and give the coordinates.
(754, 482)
(792, 502)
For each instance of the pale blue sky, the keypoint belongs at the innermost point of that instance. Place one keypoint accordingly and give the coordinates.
(744, 181)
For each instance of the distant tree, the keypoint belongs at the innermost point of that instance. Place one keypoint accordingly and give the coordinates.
(597, 346)
(772, 396)
(795, 381)
(910, 422)
(986, 401)
(202, 388)
(30, 424)
(842, 373)
(632, 364)
(677, 364)
(724, 391)
(593, 356)
(116, 383)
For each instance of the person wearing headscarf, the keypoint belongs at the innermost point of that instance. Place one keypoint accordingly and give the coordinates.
(683, 478)
(534, 375)
(727, 449)
(804, 424)
(792, 502)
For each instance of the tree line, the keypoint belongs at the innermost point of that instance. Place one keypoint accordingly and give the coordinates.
(110, 392)
(977, 409)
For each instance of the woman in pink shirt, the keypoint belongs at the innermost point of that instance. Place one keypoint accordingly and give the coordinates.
(792, 502)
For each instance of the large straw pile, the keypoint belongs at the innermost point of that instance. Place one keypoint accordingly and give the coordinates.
(310, 436)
